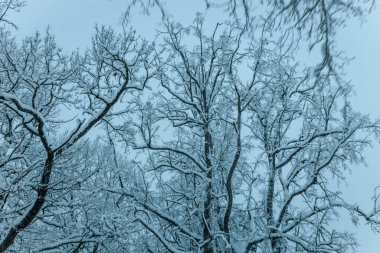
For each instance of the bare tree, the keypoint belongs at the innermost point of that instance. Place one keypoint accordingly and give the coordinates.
(236, 147)
(39, 85)
(255, 146)
(9, 5)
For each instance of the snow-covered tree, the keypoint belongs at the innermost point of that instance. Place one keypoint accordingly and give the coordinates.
(205, 141)
(251, 148)
(42, 91)
(7, 6)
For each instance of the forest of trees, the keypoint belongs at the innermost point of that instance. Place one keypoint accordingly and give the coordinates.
(216, 141)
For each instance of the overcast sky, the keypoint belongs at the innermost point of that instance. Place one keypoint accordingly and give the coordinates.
(73, 21)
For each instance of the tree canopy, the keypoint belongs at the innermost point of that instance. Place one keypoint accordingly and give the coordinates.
(200, 141)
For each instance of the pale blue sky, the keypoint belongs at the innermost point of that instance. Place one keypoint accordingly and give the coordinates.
(72, 21)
